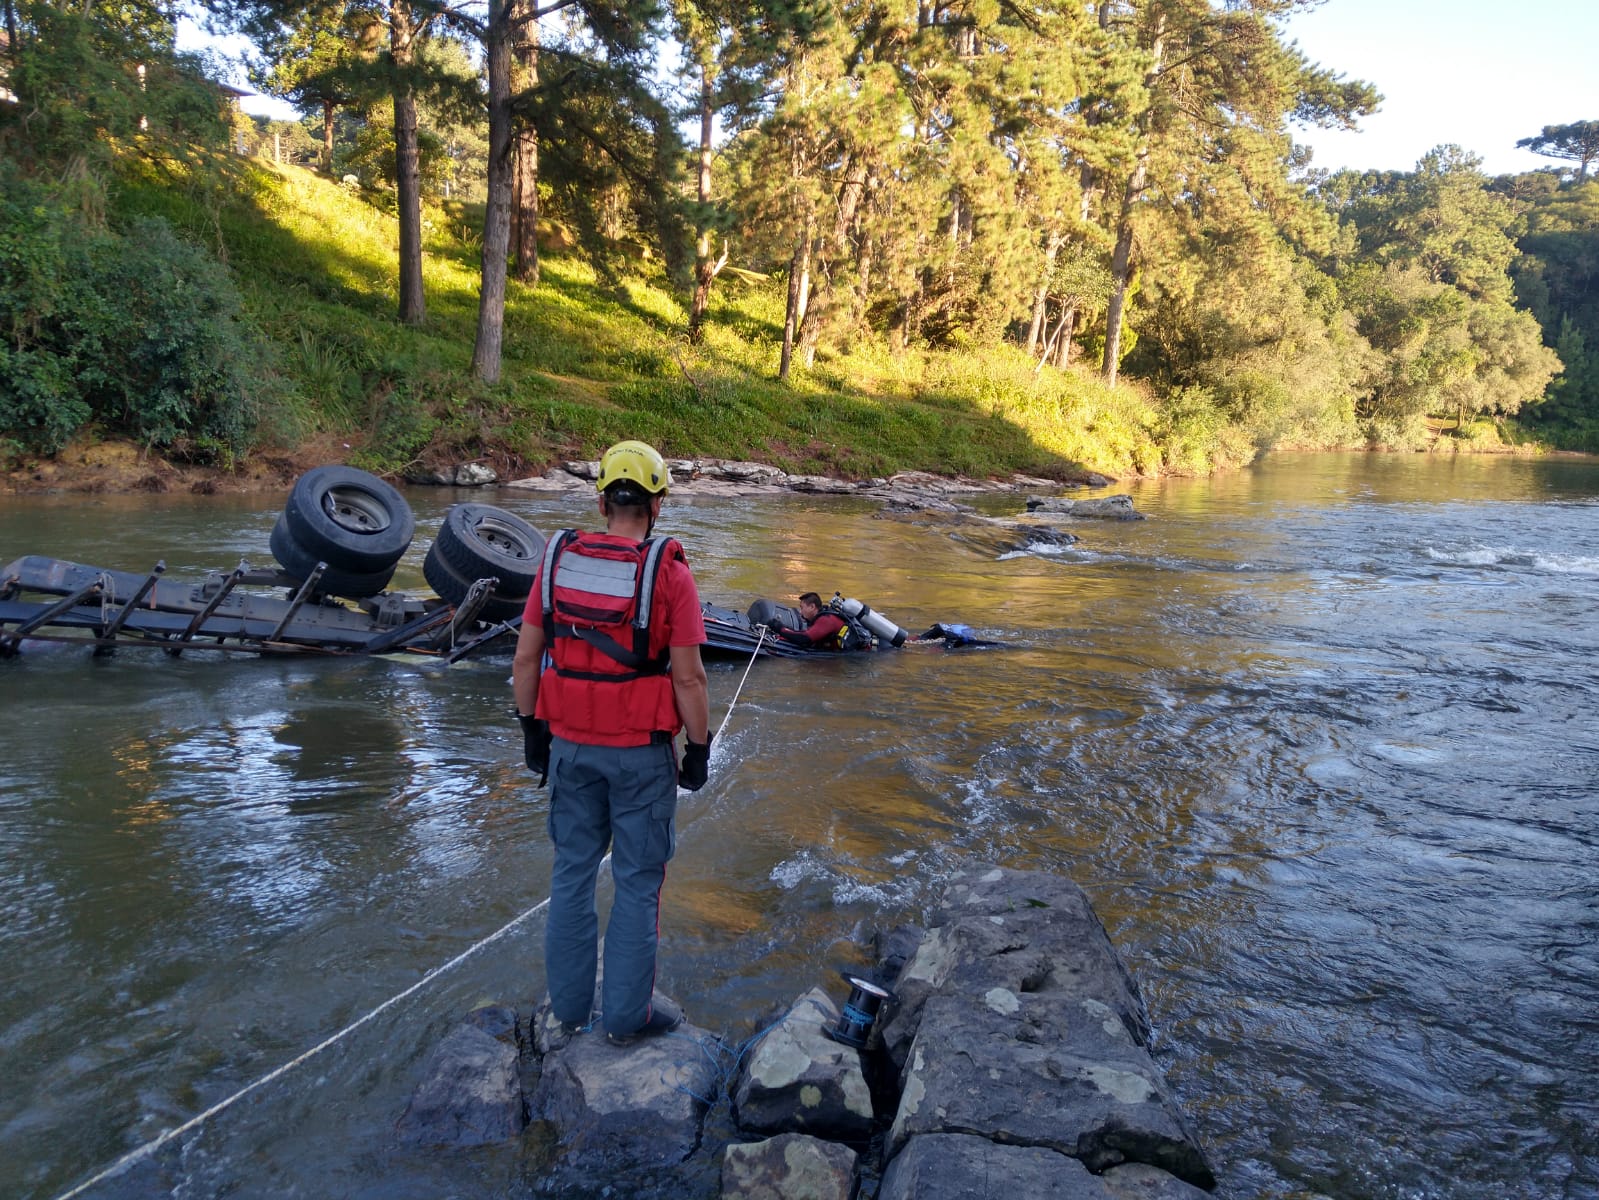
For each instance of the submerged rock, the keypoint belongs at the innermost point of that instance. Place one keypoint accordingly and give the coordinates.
(1110, 508)
(471, 1093)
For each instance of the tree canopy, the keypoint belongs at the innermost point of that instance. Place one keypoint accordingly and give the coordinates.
(1113, 186)
(1577, 142)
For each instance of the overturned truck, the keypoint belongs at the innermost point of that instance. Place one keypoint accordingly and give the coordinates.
(337, 543)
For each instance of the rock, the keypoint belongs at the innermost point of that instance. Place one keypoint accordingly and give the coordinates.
(1046, 1070)
(893, 949)
(790, 1166)
(962, 1167)
(743, 472)
(796, 1079)
(615, 1109)
(1139, 1181)
(431, 476)
(821, 484)
(473, 474)
(1110, 508)
(1024, 931)
(470, 1094)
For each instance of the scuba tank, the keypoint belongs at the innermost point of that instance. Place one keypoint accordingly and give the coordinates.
(880, 625)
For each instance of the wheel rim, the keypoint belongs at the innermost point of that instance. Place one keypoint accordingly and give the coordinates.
(356, 510)
(501, 538)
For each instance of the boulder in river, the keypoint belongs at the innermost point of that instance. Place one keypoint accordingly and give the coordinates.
(798, 1079)
(1108, 508)
(471, 1092)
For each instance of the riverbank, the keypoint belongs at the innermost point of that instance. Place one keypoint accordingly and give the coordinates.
(117, 466)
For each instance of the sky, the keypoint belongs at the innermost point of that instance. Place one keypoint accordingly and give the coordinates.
(1481, 74)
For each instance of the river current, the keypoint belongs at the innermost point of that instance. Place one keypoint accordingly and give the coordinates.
(1319, 738)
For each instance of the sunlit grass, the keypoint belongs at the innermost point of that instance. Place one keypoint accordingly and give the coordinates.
(586, 363)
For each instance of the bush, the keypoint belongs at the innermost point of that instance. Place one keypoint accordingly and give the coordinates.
(139, 331)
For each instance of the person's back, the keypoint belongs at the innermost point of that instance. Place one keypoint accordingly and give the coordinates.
(607, 670)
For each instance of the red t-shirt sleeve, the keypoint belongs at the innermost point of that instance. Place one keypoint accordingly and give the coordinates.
(685, 620)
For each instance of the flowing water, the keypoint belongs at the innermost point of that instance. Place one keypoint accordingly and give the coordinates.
(1320, 740)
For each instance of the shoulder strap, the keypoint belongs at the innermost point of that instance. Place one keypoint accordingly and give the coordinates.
(656, 551)
(552, 551)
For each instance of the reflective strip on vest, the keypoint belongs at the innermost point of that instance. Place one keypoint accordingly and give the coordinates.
(611, 577)
(602, 577)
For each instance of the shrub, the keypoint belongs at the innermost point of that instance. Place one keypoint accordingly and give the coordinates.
(140, 331)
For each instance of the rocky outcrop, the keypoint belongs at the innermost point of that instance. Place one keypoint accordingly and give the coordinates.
(955, 1166)
(1018, 1023)
(722, 477)
(1012, 1060)
(1107, 508)
(467, 474)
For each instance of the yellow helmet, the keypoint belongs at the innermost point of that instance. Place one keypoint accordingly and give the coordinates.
(637, 462)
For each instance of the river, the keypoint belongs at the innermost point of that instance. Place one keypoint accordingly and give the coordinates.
(1319, 738)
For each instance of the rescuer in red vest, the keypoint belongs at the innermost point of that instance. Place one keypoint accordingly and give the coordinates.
(618, 614)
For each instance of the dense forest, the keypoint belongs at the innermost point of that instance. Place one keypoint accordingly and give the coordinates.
(1081, 214)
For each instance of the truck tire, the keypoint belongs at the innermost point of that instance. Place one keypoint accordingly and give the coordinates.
(477, 541)
(349, 519)
(297, 562)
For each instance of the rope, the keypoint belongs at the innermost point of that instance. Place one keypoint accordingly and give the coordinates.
(150, 1147)
(738, 691)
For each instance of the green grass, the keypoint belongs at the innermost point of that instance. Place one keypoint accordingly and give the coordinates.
(586, 364)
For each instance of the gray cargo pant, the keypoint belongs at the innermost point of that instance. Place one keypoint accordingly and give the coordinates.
(624, 798)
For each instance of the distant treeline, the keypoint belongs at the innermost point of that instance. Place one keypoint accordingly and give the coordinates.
(1110, 187)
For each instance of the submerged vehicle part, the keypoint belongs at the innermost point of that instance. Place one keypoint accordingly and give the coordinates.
(349, 519)
(476, 542)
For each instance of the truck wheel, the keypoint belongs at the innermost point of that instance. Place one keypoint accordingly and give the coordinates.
(349, 519)
(477, 541)
(299, 563)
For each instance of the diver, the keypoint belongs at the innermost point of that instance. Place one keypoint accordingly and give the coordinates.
(822, 626)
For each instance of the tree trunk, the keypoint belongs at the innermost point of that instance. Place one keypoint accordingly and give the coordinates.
(1068, 326)
(863, 284)
(704, 267)
(1121, 261)
(849, 199)
(799, 269)
(525, 203)
(407, 165)
(497, 216)
(1040, 322)
(1121, 271)
(327, 137)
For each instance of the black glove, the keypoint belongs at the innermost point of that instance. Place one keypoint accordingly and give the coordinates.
(696, 767)
(775, 625)
(536, 739)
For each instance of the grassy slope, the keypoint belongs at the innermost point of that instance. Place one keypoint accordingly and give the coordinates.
(587, 364)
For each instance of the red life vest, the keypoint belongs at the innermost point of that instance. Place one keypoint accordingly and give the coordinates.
(607, 638)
